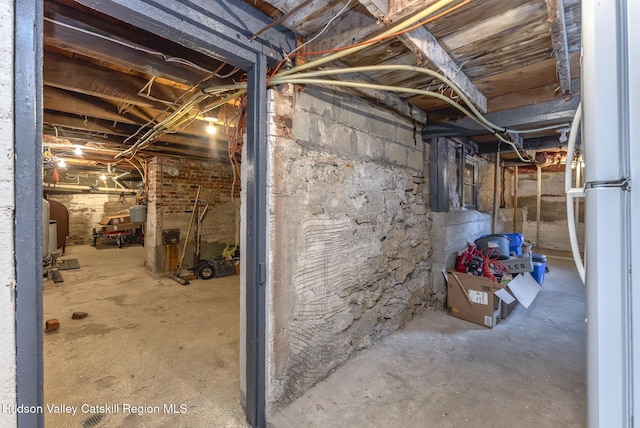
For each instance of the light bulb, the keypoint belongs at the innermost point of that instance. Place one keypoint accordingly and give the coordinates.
(103, 177)
(78, 151)
(211, 129)
(61, 163)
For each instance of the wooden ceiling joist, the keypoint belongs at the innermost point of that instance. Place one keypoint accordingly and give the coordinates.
(426, 47)
(87, 42)
(62, 72)
(560, 44)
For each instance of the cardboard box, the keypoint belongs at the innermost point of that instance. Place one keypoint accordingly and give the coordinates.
(115, 219)
(508, 302)
(484, 302)
(120, 227)
(473, 298)
(525, 289)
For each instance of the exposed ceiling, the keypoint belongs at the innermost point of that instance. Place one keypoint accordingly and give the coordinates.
(106, 83)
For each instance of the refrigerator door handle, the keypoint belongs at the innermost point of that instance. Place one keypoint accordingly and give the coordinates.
(573, 193)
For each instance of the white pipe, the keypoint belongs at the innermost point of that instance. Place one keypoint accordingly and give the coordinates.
(148, 137)
(115, 180)
(295, 80)
(337, 55)
(49, 186)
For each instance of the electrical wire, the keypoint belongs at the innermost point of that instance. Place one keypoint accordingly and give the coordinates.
(477, 118)
(129, 45)
(286, 56)
(295, 76)
(150, 135)
(350, 50)
(388, 36)
(543, 128)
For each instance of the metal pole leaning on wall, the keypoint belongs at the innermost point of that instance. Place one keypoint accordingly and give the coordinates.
(515, 200)
(538, 201)
(496, 183)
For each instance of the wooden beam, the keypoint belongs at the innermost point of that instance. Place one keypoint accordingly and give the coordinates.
(531, 116)
(56, 99)
(68, 37)
(425, 46)
(388, 99)
(557, 23)
(84, 106)
(89, 79)
(90, 127)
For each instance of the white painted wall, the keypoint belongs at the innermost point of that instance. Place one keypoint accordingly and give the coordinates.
(7, 205)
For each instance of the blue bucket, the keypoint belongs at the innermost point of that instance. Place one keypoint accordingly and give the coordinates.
(517, 241)
(539, 267)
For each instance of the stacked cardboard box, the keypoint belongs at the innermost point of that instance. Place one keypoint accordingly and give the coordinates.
(118, 223)
(484, 302)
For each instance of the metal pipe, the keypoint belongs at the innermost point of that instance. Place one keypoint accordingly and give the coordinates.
(463, 157)
(76, 187)
(539, 200)
(496, 182)
(515, 200)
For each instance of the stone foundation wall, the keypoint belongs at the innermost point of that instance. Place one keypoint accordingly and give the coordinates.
(349, 234)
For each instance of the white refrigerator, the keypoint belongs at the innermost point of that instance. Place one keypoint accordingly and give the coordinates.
(611, 145)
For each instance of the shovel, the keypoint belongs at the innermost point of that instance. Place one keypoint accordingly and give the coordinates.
(177, 276)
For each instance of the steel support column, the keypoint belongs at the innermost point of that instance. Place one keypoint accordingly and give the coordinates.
(220, 29)
(28, 207)
(256, 253)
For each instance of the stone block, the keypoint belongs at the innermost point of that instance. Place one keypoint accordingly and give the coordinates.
(415, 160)
(395, 153)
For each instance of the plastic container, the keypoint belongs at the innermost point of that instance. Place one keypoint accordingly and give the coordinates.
(53, 233)
(138, 213)
(517, 241)
(539, 267)
(494, 242)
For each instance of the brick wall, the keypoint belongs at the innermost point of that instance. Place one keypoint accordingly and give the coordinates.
(172, 188)
(176, 182)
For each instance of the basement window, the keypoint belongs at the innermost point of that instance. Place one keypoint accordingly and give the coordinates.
(470, 183)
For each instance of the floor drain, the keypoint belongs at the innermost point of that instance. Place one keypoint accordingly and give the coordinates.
(92, 420)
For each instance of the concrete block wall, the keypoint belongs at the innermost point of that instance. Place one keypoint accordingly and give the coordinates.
(451, 231)
(554, 231)
(7, 210)
(87, 209)
(349, 239)
(172, 187)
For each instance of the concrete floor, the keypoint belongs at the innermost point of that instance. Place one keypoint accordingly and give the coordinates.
(150, 342)
(146, 342)
(439, 371)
